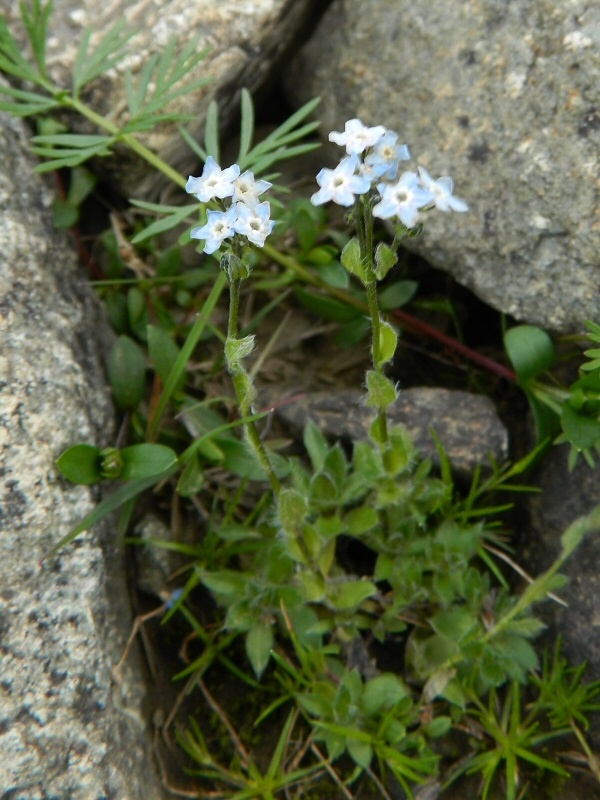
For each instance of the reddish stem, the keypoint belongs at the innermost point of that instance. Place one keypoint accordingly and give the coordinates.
(418, 326)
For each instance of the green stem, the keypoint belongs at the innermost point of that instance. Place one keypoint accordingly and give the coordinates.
(130, 140)
(234, 307)
(364, 228)
(243, 389)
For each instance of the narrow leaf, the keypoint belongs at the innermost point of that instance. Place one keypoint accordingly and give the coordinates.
(259, 643)
(247, 124)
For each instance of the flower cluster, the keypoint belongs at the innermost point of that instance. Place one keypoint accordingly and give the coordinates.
(246, 215)
(404, 196)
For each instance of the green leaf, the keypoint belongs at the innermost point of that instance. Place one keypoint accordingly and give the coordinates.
(186, 352)
(137, 312)
(173, 216)
(65, 214)
(69, 150)
(316, 445)
(326, 307)
(259, 643)
(361, 752)
(145, 460)
(574, 534)
(36, 24)
(247, 124)
(163, 355)
(382, 693)
(275, 146)
(530, 350)
(126, 373)
(123, 495)
(352, 260)
(82, 183)
(350, 594)
(396, 295)
(381, 392)
(90, 63)
(581, 430)
(388, 342)
(81, 464)
(360, 520)
(211, 131)
(385, 259)
(454, 623)
(226, 582)
(291, 508)
(305, 228)
(237, 349)
(191, 480)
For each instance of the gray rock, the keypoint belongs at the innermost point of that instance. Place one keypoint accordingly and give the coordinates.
(67, 730)
(565, 496)
(245, 44)
(466, 424)
(505, 98)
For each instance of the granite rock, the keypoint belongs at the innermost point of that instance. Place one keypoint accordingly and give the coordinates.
(67, 729)
(505, 98)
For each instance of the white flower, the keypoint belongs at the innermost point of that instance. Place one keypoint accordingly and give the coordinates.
(220, 226)
(441, 192)
(247, 190)
(214, 181)
(384, 160)
(402, 199)
(357, 137)
(340, 184)
(254, 223)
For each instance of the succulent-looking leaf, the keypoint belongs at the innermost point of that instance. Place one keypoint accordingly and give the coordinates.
(145, 460)
(388, 342)
(80, 464)
(530, 350)
(581, 430)
(126, 373)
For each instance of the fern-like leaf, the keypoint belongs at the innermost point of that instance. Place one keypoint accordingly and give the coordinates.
(92, 62)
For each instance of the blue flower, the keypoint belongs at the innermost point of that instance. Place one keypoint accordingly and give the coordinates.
(384, 160)
(214, 181)
(254, 223)
(357, 137)
(402, 199)
(340, 184)
(441, 192)
(220, 226)
(247, 190)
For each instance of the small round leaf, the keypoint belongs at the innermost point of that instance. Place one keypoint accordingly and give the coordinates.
(126, 373)
(80, 464)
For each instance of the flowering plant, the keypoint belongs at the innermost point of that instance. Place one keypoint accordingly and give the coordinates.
(405, 197)
(367, 179)
(246, 215)
(245, 221)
